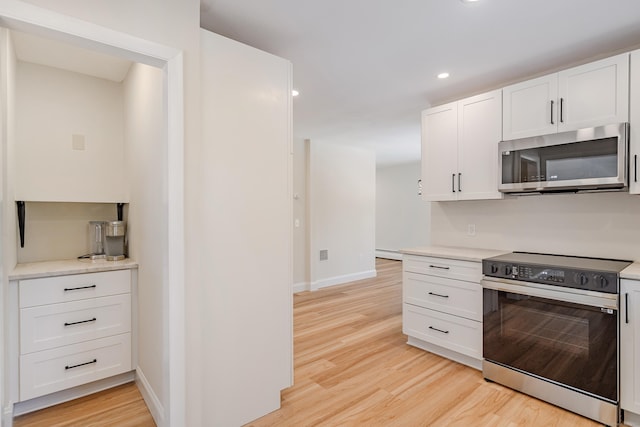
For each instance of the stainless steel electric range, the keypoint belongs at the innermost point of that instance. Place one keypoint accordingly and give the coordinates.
(550, 329)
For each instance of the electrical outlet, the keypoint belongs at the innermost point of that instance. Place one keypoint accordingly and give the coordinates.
(324, 254)
(471, 229)
(296, 223)
(77, 142)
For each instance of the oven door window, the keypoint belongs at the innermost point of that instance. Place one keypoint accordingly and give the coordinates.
(571, 344)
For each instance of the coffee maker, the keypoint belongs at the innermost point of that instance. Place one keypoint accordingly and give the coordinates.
(115, 240)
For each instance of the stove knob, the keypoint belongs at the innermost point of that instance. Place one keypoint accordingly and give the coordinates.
(494, 269)
(601, 281)
(507, 270)
(582, 279)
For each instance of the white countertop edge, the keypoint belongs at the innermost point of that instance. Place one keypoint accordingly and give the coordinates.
(451, 252)
(32, 270)
(631, 272)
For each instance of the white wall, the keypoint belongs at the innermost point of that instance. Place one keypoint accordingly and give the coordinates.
(598, 225)
(245, 226)
(342, 192)
(146, 155)
(300, 202)
(52, 105)
(402, 217)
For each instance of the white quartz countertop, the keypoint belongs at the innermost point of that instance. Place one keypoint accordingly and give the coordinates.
(463, 254)
(631, 272)
(32, 270)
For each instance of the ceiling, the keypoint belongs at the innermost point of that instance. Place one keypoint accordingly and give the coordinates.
(366, 68)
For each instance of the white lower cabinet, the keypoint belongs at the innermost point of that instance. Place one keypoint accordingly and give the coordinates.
(73, 330)
(630, 350)
(442, 307)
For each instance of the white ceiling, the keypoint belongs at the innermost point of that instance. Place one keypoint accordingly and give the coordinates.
(366, 68)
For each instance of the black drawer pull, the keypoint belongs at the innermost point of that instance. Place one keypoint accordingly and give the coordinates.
(79, 288)
(439, 330)
(77, 323)
(439, 295)
(81, 364)
(437, 266)
(626, 308)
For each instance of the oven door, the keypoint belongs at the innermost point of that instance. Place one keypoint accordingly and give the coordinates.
(565, 337)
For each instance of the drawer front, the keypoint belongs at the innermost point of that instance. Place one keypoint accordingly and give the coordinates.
(455, 333)
(445, 295)
(49, 371)
(52, 290)
(48, 326)
(443, 267)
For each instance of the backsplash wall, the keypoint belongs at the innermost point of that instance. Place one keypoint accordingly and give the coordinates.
(57, 231)
(598, 224)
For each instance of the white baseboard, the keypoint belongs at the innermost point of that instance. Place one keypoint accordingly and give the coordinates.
(301, 287)
(150, 398)
(21, 408)
(631, 419)
(339, 280)
(387, 254)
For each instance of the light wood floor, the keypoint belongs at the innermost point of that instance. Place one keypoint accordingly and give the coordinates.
(120, 406)
(352, 368)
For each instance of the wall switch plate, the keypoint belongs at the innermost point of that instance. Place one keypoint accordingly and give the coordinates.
(296, 223)
(324, 254)
(77, 142)
(471, 229)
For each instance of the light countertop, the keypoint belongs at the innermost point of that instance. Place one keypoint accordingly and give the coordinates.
(631, 272)
(463, 254)
(32, 270)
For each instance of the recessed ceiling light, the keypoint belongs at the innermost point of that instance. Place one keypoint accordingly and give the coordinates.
(443, 75)
(295, 93)
(469, 1)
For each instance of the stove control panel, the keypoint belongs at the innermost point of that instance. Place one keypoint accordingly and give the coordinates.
(558, 276)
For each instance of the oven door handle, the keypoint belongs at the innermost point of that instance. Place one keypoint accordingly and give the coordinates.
(594, 299)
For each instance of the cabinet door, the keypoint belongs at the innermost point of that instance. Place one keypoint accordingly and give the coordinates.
(530, 108)
(440, 152)
(594, 94)
(479, 131)
(634, 123)
(630, 345)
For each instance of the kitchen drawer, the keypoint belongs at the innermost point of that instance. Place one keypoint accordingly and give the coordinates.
(49, 371)
(54, 325)
(454, 333)
(51, 290)
(443, 267)
(449, 296)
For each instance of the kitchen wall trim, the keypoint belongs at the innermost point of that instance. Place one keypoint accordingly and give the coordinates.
(24, 17)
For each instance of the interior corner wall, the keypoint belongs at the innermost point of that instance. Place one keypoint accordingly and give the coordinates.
(146, 157)
(342, 191)
(300, 223)
(402, 217)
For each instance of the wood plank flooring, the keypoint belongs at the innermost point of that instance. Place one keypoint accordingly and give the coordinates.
(121, 406)
(352, 368)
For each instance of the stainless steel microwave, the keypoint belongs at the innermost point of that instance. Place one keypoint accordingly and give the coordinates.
(584, 159)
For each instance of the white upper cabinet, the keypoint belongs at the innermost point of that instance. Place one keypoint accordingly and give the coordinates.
(593, 94)
(440, 152)
(634, 123)
(460, 149)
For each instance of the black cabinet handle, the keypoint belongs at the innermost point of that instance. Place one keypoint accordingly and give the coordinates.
(453, 182)
(561, 105)
(552, 112)
(635, 168)
(437, 266)
(626, 308)
(77, 323)
(459, 183)
(439, 295)
(79, 288)
(80, 364)
(438, 330)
